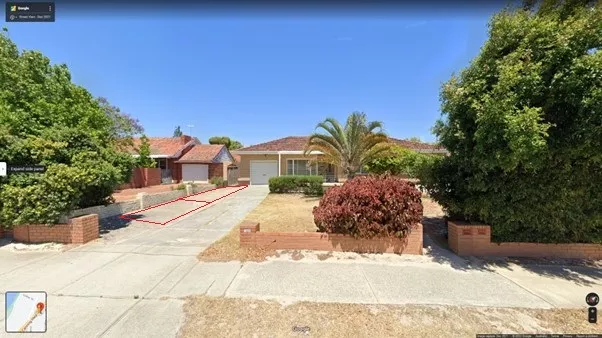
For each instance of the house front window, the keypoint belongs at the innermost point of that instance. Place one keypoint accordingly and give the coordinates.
(161, 163)
(298, 167)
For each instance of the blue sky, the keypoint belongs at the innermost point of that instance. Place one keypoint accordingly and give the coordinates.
(257, 78)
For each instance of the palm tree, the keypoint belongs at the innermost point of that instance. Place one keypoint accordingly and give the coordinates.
(349, 147)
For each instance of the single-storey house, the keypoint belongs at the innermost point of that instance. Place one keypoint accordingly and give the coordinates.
(285, 157)
(185, 159)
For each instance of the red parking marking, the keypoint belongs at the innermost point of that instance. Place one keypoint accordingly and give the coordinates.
(182, 199)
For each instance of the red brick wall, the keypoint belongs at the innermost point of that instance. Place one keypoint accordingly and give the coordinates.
(144, 177)
(78, 230)
(250, 236)
(152, 176)
(176, 169)
(216, 170)
(475, 240)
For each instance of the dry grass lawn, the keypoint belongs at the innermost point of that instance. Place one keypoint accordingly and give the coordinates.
(277, 212)
(228, 317)
(291, 213)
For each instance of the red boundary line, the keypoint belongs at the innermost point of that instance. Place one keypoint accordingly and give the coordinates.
(182, 199)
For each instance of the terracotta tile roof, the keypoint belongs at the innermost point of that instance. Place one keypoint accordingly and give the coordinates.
(287, 143)
(201, 153)
(292, 143)
(163, 145)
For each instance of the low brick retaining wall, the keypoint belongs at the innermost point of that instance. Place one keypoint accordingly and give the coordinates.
(77, 230)
(143, 200)
(250, 236)
(475, 240)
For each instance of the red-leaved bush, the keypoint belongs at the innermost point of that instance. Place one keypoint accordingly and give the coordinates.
(370, 206)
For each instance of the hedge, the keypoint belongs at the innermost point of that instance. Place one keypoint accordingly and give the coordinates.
(309, 185)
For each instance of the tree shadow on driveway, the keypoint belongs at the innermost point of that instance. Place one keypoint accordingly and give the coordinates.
(106, 225)
(581, 272)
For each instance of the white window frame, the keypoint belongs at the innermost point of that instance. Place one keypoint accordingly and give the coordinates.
(159, 160)
(312, 170)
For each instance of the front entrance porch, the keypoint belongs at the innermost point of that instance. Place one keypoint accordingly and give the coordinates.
(166, 175)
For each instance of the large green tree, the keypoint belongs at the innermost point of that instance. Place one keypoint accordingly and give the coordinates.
(46, 119)
(177, 132)
(523, 124)
(350, 146)
(125, 127)
(400, 161)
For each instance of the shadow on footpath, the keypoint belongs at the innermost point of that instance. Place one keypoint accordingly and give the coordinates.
(106, 225)
(579, 271)
(6, 241)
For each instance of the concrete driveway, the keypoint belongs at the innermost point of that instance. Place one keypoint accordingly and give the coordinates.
(126, 283)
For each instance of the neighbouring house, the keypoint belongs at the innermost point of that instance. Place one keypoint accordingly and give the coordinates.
(205, 161)
(185, 159)
(285, 157)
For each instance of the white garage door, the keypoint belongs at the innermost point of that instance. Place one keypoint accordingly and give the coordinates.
(261, 171)
(195, 172)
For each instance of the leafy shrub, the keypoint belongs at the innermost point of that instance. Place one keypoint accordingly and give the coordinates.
(45, 199)
(309, 185)
(522, 124)
(400, 161)
(218, 181)
(283, 184)
(101, 179)
(370, 206)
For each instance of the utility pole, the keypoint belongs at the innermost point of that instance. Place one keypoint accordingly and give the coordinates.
(190, 126)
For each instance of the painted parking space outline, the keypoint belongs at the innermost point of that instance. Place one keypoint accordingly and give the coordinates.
(195, 198)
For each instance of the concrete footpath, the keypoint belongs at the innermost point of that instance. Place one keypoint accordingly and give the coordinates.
(431, 279)
(132, 282)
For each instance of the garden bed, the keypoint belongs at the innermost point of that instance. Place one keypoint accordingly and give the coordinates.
(277, 212)
(286, 222)
(252, 237)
